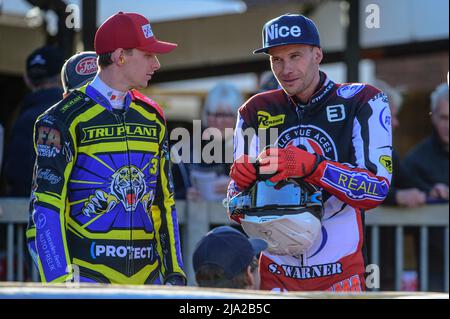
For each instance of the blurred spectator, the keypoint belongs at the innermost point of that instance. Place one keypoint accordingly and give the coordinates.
(405, 189)
(226, 258)
(210, 177)
(429, 159)
(43, 67)
(219, 112)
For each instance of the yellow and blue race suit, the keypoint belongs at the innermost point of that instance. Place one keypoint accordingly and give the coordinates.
(102, 204)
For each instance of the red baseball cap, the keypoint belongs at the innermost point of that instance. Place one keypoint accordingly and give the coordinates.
(128, 31)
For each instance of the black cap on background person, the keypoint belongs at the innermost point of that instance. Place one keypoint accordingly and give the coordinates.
(226, 258)
(43, 65)
(78, 70)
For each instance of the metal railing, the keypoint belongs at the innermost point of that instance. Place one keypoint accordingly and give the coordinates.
(197, 218)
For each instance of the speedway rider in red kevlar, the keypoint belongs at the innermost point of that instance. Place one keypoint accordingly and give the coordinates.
(334, 136)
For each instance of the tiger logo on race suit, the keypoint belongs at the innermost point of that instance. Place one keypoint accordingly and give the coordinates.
(127, 187)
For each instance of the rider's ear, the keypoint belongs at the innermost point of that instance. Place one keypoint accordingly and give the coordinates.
(318, 55)
(250, 280)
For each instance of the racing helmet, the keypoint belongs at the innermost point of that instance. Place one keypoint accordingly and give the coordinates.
(287, 216)
(78, 70)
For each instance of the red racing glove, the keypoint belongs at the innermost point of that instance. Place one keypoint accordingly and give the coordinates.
(243, 172)
(282, 163)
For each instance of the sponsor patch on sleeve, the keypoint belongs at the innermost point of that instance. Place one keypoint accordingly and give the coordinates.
(385, 120)
(48, 141)
(355, 185)
(386, 161)
(350, 90)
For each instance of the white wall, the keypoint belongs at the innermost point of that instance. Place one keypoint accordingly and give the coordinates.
(401, 21)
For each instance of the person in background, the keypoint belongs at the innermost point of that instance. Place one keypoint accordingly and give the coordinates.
(78, 70)
(429, 159)
(42, 76)
(218, 120)
(405, 190)
(226, 258)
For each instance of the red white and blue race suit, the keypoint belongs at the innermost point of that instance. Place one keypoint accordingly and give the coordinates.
(348, 125)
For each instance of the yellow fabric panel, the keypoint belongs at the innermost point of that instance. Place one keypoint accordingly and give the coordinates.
(168, 203)
(113, 234)
(116, 277)
(151, 117)
(117, 147)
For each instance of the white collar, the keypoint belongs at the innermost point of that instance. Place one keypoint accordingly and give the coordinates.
(115, 97)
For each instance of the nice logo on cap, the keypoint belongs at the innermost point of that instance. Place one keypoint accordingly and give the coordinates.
(274, 32)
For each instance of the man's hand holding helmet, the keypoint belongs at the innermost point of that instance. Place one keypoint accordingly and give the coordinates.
(282, 163)
(243, 171)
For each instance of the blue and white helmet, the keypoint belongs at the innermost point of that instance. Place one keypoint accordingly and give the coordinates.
(287, 218)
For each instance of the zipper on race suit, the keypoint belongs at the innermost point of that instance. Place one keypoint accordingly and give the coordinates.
(129, 260)
(300, 110)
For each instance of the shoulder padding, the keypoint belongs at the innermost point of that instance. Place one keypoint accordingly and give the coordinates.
(357, 91)
(141, 97)
(70, 106)
(255, 102)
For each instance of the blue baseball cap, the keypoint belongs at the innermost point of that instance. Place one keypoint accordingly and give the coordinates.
(228, 249)
(289, 29)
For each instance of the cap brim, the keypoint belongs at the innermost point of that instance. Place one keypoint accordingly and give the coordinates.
(159, 47)
(260, 50)
(258, 245)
